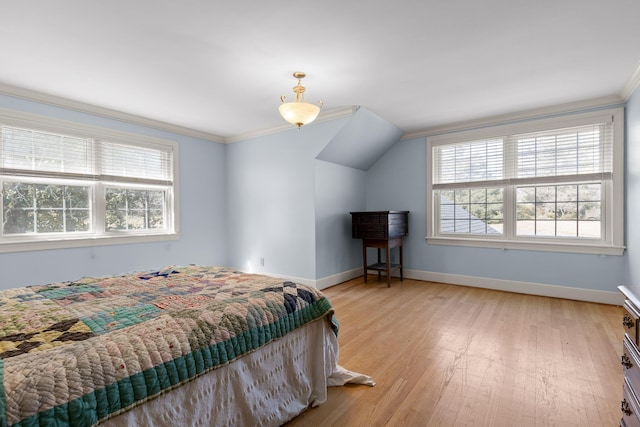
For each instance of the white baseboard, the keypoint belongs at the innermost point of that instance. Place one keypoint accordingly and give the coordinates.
(323, 283)
(328, 281)
(308, 282)
(556, 291)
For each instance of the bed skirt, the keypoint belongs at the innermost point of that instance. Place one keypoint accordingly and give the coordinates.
(267, 387)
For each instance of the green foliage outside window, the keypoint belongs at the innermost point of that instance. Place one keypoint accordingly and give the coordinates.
(30, 208)
(44, 208)
(132, 209)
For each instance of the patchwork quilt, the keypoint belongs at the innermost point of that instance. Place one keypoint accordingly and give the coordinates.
(75, 353)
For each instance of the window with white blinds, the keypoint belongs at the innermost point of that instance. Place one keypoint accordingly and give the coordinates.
(553, 184)
(26, 152)
(565, 155)
(75, 183)
(561, 155)
(120, 162)
(469, 164)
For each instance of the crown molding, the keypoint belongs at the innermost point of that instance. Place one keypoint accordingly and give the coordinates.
(628, 89)
(632, 84)
(595, 103)
(56, 101)
(325, 116)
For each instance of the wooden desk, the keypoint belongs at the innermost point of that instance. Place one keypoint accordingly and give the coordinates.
(387, 266)
(381, 230)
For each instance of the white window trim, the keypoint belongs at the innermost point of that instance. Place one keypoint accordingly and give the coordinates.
(613, 214)
(58, 241)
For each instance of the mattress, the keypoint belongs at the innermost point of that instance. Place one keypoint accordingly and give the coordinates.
(214, 345)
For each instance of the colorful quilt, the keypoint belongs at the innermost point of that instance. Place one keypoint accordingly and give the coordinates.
(75, 353)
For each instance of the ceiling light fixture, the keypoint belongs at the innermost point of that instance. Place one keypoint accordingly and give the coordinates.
(299, 112)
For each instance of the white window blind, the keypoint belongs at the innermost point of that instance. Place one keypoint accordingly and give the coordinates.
(26, 152)
(562, 155)
(468, 164)
(133, 164)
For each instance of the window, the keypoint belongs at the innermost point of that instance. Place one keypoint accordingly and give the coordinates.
(549, 184)
(66, 185)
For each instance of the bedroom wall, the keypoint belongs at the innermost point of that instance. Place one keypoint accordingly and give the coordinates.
(203, 237)
(632, 196)
(271, 200)
(289, 195)
(398, 182)
(339, 190)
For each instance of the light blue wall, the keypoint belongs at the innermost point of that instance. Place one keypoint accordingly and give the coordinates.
(339, 190)
(203, 238)
(292, 210)
(264, 198)
(632, 196)
(271, 200)
(398, 182)
(269, 197)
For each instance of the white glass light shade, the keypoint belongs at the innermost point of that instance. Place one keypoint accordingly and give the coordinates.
(299, 113)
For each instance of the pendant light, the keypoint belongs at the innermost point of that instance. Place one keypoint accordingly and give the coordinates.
(299, 112)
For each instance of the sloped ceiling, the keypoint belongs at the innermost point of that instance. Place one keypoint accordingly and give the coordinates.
(362, 141)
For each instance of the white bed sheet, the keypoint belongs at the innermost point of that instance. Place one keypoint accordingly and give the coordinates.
(264, 388)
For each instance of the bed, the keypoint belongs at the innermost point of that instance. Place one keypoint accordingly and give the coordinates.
(184, 345)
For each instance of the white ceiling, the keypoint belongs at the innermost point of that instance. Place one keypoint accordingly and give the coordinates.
(221, 66)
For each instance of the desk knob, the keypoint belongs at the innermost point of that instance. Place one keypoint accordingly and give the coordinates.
(627, 321)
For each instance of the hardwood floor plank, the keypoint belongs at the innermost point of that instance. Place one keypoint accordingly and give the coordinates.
(445, 355)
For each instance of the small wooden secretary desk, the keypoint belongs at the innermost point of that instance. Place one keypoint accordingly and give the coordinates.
(381, 230)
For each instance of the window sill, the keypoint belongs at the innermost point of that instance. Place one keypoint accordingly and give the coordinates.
(82, 242)
(555, 246)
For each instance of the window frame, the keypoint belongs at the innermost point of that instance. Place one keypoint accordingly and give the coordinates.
(99, 235)
(612, 197)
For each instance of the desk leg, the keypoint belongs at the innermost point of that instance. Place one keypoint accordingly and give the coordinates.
(364, 260)
(379, 272)
(401, 263)
(388, 267)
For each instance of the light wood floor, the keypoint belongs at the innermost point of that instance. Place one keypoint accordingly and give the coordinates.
(445, 355)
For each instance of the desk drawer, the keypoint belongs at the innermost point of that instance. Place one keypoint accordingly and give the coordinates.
(630, 321)
(631, 363)
(629, 407)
